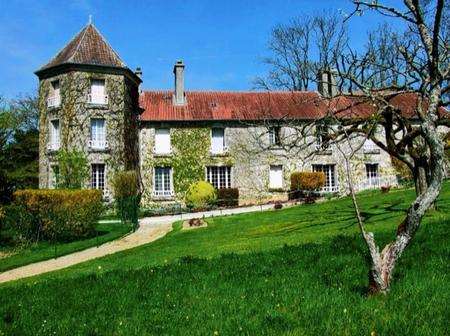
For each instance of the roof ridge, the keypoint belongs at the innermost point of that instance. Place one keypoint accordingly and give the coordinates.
(228, 91)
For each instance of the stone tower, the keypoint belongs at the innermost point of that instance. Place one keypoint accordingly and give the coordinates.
(89, 102)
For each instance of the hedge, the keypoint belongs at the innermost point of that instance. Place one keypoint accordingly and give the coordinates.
(58, 215)
(309, 181)
(228, 197)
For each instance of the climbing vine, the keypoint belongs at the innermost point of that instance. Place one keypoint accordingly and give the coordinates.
(190, 156)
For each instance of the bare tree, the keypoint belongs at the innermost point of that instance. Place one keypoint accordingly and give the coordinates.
(300, 48)
(398, 85)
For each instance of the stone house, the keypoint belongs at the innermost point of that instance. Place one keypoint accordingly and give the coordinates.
(91, 101)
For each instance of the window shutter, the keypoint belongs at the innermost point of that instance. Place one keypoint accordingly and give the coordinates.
(162, 140)
(276, 177)
(217, 140)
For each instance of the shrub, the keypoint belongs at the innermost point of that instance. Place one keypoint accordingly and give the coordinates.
(125, 189)
(125, 184)
(73, 169)
(228, 197)
(307, 181)
(278, 205)
(58, 214)
(200, 195)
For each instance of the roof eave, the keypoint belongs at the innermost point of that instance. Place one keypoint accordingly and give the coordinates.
(66, 67)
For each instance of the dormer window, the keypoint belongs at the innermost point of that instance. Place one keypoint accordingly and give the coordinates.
(162, 141)
(98, 95)
(218, 140)
(54, 97)
(275, 135)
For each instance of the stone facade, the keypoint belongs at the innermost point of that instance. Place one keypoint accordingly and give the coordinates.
(129, 119)
(120, 115)
(249, 158)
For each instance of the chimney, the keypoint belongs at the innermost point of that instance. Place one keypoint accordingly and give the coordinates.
(326, 83)
(179, 96)
(138, 72)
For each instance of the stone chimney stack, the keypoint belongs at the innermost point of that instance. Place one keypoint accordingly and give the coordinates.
(138, 73)
(326, 83)
(179, 97)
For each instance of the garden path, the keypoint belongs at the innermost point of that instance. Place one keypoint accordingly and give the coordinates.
(150, 229)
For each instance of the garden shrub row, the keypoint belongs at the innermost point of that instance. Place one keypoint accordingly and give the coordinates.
(57, 215)
(228, 197)
(304, 184)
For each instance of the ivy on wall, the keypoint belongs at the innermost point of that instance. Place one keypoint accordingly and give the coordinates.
(191, 154)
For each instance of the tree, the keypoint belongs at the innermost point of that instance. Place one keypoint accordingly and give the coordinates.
(300, 49)
(73, 169)
(379, 80)
(19, 145)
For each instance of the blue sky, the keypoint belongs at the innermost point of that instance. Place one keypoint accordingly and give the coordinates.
(221, 42)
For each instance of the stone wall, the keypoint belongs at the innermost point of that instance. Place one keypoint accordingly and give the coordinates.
(249, 157)
(75, 113)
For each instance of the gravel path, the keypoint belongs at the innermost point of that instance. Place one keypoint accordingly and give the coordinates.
(150, 229)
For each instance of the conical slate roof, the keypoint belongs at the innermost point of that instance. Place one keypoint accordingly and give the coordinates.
(88, 47)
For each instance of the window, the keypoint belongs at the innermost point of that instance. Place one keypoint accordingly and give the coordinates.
(54, 135)
(330, 176)
(98, 176)
(54, 98)
(373, 180)
(98, 134)
(54, 177)
(321, 137)
(219, 177)
(217, 140)
(276, 177)
(162, 141)
(275, 135)
(97, 95)
(162, 185)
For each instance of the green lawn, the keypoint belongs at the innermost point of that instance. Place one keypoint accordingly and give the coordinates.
(44, 250)
(298, 271)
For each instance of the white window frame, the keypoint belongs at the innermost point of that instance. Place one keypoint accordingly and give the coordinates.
(95, 177)
(373, 175)
(54, 97)
(53, 176)
(330, 176)
(221, 145)
(162, 148)
(213, 175)
(273, 184)
(96, 95)
(55, 135)
(98, 139)
(274, 135)
(163, 193)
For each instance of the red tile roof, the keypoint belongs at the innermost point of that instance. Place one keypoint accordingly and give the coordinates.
(87, 47)
(213, 105)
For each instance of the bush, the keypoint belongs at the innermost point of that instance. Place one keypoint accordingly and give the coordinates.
(200, 195)
(73, 169)
(228, 197)
(58, 215)
(303, 184)
(307, 181)
(125, 190)
(125, 184)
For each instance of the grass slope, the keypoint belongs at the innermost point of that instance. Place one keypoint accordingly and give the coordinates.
(190, 283)
(45, 250)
